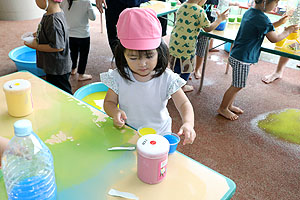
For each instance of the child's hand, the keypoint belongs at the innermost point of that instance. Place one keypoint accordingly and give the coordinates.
(223, 16)
(32, 45)
(292, 28)
(119, 119)
(189, 133)
(283, 19)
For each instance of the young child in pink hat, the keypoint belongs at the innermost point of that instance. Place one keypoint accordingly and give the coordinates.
(142, 84)
(52, 45)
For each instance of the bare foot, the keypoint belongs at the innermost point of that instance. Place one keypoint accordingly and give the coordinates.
(228, 114)
(197, 75)
(214, 50)
(236, 110)
(74, 71)
(84, 77)
(187, 88)
(272, 77)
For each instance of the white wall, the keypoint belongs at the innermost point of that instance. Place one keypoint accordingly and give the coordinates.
(12, 10)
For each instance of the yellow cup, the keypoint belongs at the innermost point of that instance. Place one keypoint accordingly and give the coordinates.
(146, 131)
(280, 43)
(293, 36)
(18, 97)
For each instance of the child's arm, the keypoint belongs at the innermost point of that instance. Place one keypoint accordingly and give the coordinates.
(221, 17)
(234, 4)
(274, 37)
(91, 13)
(281, 21)
(100, 6)
(111, 108)
(186, 111)
(3, 145)
(42, 47)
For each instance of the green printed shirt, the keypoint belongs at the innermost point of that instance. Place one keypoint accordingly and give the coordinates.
(190, 19)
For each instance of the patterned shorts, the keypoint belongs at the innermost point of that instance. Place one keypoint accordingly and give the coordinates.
(200, 46)
(186, 65)
(240, 72)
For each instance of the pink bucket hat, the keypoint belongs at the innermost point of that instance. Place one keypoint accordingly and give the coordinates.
(139, 29)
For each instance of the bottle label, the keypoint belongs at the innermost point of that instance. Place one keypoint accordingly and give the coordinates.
(162, 169)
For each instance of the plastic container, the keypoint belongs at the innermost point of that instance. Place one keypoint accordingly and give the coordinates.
(221, 26)
(227, 47)
(92, 94)
(293, 36)
(173, 3)
(239, 19)
(25, 59)
(18, 97)
(231, 19)
(27, 166)
(173, 139)
(146, 131)
(28, 37)
(152, 158)
(280, 43)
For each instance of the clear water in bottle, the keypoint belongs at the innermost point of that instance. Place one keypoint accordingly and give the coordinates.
(27, 166)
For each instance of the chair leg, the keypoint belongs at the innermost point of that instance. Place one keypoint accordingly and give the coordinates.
(227, 65)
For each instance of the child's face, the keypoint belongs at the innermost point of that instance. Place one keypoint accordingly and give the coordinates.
(41, 4)
(141, 63)
(270, 6)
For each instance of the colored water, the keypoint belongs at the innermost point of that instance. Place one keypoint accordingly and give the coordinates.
(146, 131)
(172, 139)
(90, 99)
(285, 125)
(35, 188)
(29, 56)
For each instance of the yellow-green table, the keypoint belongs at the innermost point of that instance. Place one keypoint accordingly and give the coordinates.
(78, 137)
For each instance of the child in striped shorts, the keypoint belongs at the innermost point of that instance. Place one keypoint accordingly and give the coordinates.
(254, 27)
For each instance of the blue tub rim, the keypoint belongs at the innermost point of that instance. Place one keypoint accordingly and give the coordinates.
(13, 58)
(89, 89)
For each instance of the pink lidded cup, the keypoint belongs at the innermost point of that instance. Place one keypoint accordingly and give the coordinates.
(152, 158)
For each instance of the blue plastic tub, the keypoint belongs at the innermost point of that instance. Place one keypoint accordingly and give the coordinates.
(227, 46)
(25, 59)
(221, 26)
(89, 89)
(92, 89)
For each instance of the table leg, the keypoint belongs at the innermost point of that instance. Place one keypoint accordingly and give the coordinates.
(227, 65)
(101, 23)
(204, 64)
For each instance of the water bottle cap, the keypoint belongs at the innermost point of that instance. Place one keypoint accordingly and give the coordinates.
(23, 127)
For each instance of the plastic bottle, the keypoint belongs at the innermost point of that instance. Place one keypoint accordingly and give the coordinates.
(27, 166)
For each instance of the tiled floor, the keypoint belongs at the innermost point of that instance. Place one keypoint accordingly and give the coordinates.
(262, 166)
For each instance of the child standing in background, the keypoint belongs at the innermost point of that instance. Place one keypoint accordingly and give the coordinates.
(202, 40)
(190, 18)
(78, 13)
(209, 6)
(254, 27)
(52, 45)
(142, 84)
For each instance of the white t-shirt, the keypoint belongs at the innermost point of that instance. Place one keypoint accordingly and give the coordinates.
(78, 17)
(145, 103)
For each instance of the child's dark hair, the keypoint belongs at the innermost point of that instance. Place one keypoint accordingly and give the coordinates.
(162, 60)
(260, 1)
(70, 4)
